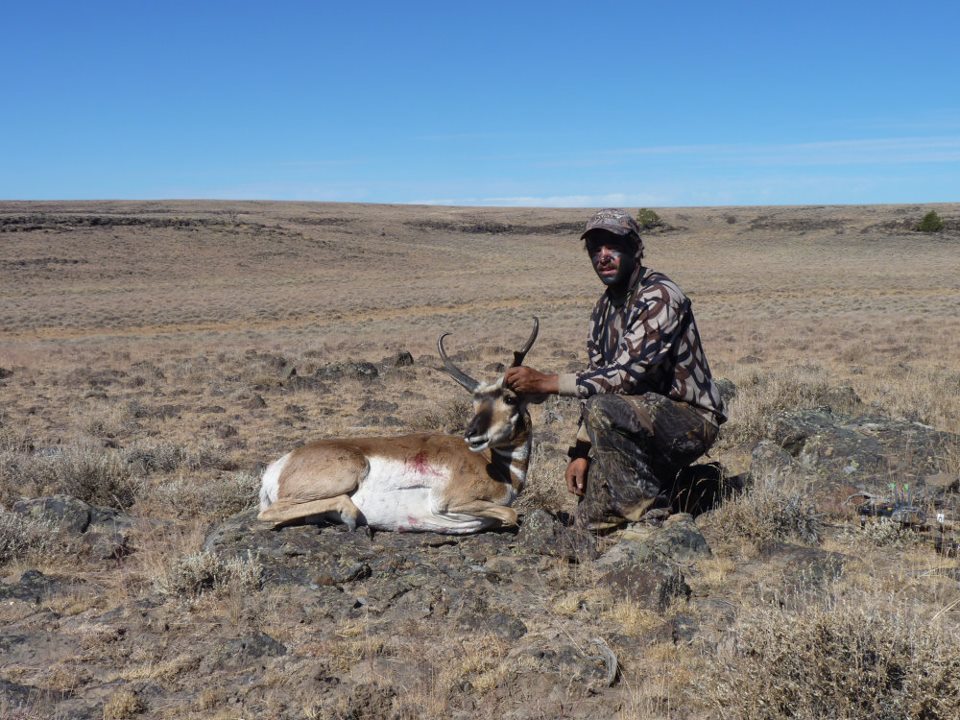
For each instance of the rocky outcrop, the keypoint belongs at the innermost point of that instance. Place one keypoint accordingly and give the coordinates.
(104, 532)
(868, 452)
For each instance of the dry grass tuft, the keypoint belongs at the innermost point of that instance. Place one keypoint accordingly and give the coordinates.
(191, 576)
(449, 417)
(774, 508)
(166, 456)
(879, 532)
(95, 475)
(210, 498)
(123, 704)
(22, 537)
(840, 661)
(762, 395)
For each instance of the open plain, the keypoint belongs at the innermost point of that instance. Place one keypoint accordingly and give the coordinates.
(155, 355)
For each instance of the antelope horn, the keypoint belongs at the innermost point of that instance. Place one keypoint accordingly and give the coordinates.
(456, 373)
(519, 355)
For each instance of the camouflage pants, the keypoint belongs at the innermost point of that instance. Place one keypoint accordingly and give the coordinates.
(639, 443)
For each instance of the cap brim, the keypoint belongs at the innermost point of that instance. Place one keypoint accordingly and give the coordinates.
(617, 230)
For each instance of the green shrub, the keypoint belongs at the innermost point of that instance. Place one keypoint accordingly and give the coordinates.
(648, 219)
(931, 222)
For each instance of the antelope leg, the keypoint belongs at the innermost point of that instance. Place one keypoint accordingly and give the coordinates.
(486, 509)
(286, 511)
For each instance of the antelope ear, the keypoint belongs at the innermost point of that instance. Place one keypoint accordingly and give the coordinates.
(534, 398)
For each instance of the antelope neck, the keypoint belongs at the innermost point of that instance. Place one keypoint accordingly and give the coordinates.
(512, 462)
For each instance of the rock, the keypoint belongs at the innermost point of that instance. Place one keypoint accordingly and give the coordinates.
(543, 534)
(106, 545)
(370, 700)
(637, 572)
(303, 382)
(33, 586)
(500, 624)
(795, 575)
(5, 373)
(255, 403)
(256, 646)
(14, 695)
(584, 664)
(357, 370)
(68, 514)
(700, 488)
(305, 555)
(728, 391)
(380, 406)
(865, 451)
(105, 532)
(679, 539)
(942, 482)
(768, 458)
(160, 412)
(403, 358)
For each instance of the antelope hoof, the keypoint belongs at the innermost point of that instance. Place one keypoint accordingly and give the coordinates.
(349, 520)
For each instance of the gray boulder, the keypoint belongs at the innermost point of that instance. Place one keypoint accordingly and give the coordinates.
(635, 571)
(868, 451)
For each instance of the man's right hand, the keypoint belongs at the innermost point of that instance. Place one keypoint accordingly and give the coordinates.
(576, 475)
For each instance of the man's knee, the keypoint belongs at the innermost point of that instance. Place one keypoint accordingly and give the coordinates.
(620, 413)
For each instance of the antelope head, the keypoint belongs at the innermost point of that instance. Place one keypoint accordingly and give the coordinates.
(500, 416)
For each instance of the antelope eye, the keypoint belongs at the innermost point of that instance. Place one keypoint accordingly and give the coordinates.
(510, 400)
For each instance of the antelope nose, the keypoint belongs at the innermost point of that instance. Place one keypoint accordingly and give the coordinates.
(474, 428)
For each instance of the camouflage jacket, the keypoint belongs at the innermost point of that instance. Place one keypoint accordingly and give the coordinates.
(648, 344)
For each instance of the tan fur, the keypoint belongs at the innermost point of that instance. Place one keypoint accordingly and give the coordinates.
(319, 477)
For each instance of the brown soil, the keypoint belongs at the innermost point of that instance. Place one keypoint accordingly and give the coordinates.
(165, 332)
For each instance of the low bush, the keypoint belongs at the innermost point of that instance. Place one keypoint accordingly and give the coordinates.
(841, 661)
(450, 417)
(94, 475)
(194, 575)
(97, 476)
(930, 223)
(165, 456)
(22, 538)
(648, 219)
(774, 508)
(761, 396)
(212, 499)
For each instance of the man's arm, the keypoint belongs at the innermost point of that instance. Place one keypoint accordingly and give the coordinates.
(645, 345)
(527, 381)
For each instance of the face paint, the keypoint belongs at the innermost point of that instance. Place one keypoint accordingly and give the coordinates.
(611, 265)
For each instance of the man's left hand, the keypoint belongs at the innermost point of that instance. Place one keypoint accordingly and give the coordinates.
(527, 381)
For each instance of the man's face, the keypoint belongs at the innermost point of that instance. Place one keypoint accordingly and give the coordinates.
(612, 257)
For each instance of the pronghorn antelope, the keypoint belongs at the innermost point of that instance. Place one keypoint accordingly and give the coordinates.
(428, 482)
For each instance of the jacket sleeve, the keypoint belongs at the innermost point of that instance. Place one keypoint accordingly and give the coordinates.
(654, 326)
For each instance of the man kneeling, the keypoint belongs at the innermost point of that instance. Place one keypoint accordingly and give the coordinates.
(650, 404)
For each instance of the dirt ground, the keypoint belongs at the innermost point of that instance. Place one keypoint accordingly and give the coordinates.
(161, 337)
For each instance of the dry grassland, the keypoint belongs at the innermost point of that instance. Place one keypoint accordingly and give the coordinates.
(149, 347)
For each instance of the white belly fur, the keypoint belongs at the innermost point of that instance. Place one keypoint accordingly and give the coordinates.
(394, 496)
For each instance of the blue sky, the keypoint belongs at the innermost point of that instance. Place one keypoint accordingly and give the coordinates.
(494, 103)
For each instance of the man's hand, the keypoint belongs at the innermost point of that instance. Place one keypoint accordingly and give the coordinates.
(577, 475)
(527, 381)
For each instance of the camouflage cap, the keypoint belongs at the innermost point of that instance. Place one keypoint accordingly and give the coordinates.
(614, 220)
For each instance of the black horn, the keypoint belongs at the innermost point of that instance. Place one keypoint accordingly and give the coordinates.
(456, 373)
(519, 355)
